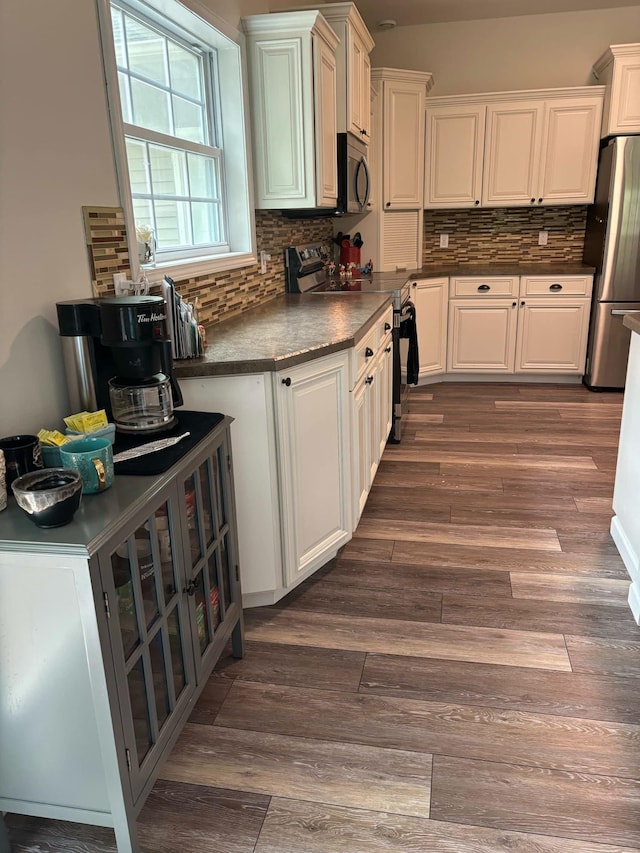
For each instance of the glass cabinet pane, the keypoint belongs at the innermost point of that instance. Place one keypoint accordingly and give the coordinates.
(202, 614)
(165, 549)
(126, 601)
(160, 686)
(214, 592)
(140, 710)
(190, 499)
(177, 658)
(225, 559)
(208, 518)
(146, 573)
(218, 463)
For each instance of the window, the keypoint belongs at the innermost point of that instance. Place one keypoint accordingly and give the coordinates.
(178, 116)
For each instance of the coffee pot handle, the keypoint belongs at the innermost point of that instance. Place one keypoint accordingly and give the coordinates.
(166, 361)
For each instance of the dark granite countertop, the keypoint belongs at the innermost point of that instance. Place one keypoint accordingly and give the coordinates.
(632, 321)
(438, 270)
(289, 330)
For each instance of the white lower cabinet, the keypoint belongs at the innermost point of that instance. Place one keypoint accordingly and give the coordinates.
(371, 408)
(292, 436)
(482, 335)
(312, 422)
(431, 299)
(541, 327)
(552, 335)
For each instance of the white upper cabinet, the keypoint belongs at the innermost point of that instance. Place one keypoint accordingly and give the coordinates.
(454, 155)
(354, 68)
(619, 70)
(403, 122)
(522, 148)
(292, 70)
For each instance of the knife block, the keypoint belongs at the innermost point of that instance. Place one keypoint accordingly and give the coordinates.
(350, 255)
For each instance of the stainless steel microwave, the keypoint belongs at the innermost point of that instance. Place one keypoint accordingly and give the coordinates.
(354, 179)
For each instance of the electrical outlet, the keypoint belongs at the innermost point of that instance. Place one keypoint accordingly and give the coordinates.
(543, 238)
(444, 241)
(264, 257)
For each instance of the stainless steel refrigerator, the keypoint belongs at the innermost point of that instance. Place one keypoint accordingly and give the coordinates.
(612, 245)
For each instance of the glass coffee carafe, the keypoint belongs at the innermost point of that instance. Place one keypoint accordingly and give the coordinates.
(140, 406)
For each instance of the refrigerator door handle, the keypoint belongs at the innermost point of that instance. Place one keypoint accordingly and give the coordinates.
(616, 313)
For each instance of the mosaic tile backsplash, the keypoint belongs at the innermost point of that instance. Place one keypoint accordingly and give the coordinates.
(504, 235)
(221, 295)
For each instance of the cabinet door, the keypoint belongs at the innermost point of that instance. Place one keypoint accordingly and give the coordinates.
(403, 166)
(314, 467)
(361, 445)
(358, 62)
(365, 98)
(482, 335)
(570, 151)
(552, 335)
(384, 379)
(210, 555)
(326, 124)
(624, 110)
(454, 156)
(512, 153)
(431, 300)
(143, 577)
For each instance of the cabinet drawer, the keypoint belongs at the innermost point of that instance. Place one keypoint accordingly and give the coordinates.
(559, 285)
(485, 286)
(367, 348)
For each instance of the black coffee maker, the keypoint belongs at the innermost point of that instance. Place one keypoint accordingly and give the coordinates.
(117, 356)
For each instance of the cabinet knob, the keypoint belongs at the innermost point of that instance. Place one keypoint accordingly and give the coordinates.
(484, 287)
(387, 326)
(368, 352)
(369, 380)
(540, 200)
(533, 201)
(555, 287)
(363, 132)
(477, 201)
(286, 381)
(190, 588)
(513, 304)
(387, 349)
(522, 303)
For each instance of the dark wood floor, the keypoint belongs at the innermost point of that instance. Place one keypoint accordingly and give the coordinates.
(464, 678)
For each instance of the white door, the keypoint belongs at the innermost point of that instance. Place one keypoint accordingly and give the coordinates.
(431, 298)
(552, 335)
(403, 166)
(512, 153)
(326, 125)
(482, 335)
(454, 156)
(314, 467)
(570, 150)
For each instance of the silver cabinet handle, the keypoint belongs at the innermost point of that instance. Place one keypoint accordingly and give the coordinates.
(615, 313)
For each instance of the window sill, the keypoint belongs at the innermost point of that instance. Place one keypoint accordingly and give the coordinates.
(192, 268)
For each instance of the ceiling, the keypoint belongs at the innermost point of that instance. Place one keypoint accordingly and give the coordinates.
(411, 12)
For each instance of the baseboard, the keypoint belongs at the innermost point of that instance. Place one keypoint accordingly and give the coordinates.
(519, 378)
(631, 562)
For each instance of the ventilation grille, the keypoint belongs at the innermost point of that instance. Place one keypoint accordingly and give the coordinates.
(400, 232)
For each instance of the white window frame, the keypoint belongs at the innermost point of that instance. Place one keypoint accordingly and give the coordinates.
(190, 20)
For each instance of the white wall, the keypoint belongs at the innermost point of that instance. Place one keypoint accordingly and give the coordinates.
(536, 51)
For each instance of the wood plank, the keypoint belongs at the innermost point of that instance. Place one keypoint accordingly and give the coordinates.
(403, 580)
(415, 639)
(458, 534)
(589, 620)
(567, 406)
(324, 771)
(210, 701)
(390, 506)
(329, 596)
(587, 484)
(582, 806)
(422, 419)
(569, 588)
(571, 694)
(472, 731)
(297, 827)
(367, 549)
(581, 437)
(505, 559)
(598, 505)
(397, 475)
(605, 655)
(505, 461)
(295, 666)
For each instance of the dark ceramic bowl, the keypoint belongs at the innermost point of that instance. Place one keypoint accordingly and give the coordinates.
(50, 497)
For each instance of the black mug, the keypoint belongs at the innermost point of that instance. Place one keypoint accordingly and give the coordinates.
(21, 455)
